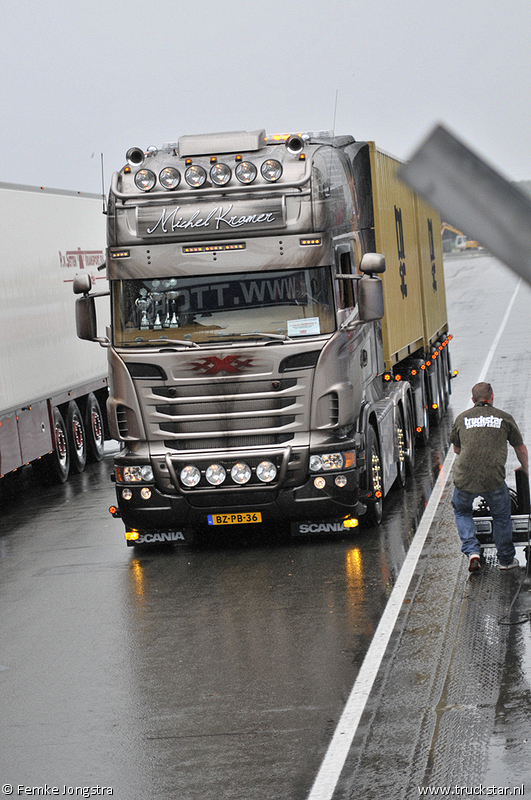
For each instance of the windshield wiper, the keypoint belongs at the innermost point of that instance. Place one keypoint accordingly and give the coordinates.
(257, 335)
(170, 342)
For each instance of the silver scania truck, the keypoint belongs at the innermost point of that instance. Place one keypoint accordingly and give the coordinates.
(278, 337)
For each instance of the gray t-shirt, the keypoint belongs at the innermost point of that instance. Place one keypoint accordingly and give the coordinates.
(482, 433)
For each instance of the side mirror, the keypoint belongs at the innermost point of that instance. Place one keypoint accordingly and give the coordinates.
(370, 298)
(372, 262)
(82, 283)
(86, 325)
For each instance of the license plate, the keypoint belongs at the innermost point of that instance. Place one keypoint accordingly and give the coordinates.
(245, 518)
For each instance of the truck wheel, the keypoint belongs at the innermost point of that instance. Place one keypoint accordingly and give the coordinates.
(445, 377)
(76, 437)
(410, 439)
(424, 435)
(95, 436)
(374, 479)
(401, 433)
(55, 467)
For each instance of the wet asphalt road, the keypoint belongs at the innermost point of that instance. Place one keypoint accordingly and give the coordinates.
(217, 672)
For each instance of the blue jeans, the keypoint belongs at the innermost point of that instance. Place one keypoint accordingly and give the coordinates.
(499, 502)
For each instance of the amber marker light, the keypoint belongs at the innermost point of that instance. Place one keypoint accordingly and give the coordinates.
(398, 377)
(132, 536)
(350, 523)
(378, 494)
(113, 510)
(350, 459)
(419, 429)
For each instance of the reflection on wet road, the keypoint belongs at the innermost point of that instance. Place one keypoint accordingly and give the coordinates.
(216, 672)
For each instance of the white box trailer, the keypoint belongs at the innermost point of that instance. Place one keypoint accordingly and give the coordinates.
(52, 385)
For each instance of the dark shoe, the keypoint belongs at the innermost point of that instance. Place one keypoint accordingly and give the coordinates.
(513, 565)
(474, 564)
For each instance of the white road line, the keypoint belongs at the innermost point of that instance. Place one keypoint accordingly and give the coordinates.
(336, 755)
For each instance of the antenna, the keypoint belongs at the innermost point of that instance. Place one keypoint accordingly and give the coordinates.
(335, 113)
(103, 187)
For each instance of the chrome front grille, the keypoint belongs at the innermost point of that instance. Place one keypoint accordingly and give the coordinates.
(223, 414)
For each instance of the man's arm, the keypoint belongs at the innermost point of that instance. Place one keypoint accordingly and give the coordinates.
(522, 456)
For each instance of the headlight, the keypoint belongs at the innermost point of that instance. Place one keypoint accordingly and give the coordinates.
(215, 474)
(220, 174)
(137, 474)
(190, 476)
(266, 472)
(246, 172)
(195, 176)
(332, 461)
(145, 180)
(327, 461)
(271, 170)
(240, 473)
(170, 178)
(315, 463)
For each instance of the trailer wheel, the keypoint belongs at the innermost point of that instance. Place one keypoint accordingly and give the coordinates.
(95, 436)
(374, 479)
(76, 437)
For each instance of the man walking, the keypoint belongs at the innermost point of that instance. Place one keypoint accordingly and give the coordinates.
(480, 437)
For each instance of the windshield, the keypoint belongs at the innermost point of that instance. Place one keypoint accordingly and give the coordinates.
(206, 308)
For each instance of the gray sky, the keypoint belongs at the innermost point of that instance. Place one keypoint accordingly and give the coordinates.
(80, 78)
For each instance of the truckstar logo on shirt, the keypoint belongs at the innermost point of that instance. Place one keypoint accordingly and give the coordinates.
(232, 364)
(483, 422)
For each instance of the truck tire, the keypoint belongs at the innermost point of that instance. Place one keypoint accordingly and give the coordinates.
(76, 437)
(424, 435)
(374, 478)
(55, 467)
(411, 438)
(94, 430)
(402, 436)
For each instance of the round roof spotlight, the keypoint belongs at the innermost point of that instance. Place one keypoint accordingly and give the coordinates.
(271, 170)
(134, 156)
(220, 174)
(152, 150)
(246, 172)
(145, 180)
(195, 176)
(170, 178)
(294, 145)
